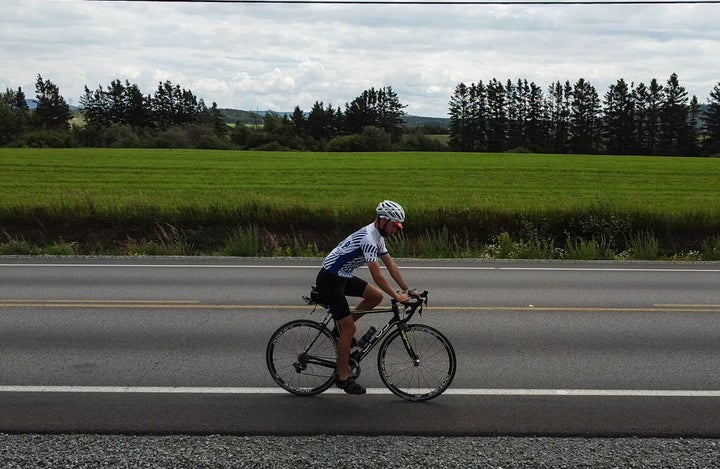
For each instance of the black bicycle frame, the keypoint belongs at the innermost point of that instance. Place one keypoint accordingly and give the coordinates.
(395, 321)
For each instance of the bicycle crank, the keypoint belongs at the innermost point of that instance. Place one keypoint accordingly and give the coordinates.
(354, 368)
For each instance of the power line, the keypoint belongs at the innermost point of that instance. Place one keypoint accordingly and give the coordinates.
(439, 2)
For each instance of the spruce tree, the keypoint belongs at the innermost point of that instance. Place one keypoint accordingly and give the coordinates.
(619, 130)
(497, 121)
(52, 111)
(460, 119)
(674, 110)
(584, 118)
(711, 123)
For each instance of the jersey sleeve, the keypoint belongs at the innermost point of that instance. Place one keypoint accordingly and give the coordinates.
(382, 250)
(369, 250)
(373, 248)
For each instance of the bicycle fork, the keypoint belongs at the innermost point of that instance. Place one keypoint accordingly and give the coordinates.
(408, 345)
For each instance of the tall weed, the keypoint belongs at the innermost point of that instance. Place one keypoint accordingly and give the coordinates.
(441, 244)
(296, 246)
(171, 241)
(400, 246)
(505, 248)
(710, 249)
(244, 242)
(580, 249)
(18, 247)
(642, 246)
(600, 224)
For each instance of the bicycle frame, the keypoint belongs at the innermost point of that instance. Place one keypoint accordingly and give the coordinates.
(396, 321)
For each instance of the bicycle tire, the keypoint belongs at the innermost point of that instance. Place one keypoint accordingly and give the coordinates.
(288, 365)
(422, 381)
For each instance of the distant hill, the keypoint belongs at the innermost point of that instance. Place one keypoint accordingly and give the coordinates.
(33, 104)
(237, 116)
(420, 121)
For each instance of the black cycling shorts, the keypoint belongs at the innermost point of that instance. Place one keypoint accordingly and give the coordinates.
(333, 290)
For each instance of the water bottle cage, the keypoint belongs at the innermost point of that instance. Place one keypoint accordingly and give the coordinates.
(366, 338)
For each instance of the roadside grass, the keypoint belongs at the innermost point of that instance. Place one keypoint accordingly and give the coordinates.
(514, 205)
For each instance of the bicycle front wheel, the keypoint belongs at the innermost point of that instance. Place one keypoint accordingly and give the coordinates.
(301, 357)
(420, 380)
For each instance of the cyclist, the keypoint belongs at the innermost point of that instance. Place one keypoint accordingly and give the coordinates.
(336, 280)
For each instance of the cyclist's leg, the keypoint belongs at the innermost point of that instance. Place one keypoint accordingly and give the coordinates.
(371, 297)
(347, 331)
(332, 289)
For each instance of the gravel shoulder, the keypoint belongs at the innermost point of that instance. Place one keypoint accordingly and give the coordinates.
(81, 451)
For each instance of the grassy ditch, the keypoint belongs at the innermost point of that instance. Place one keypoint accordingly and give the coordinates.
(135, 201)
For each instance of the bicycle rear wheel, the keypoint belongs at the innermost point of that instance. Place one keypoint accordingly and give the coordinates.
(301, 357)
(425, 379)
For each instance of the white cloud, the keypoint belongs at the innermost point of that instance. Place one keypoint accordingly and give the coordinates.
(251, 56)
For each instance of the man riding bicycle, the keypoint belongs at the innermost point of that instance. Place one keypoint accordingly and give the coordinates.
(336, 280)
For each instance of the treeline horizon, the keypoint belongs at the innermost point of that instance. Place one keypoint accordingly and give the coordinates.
(629, 119)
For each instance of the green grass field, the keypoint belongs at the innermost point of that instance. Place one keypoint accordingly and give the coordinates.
(488, 193)
(116, 179)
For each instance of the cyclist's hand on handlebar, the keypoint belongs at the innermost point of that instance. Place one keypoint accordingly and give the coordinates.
(415, 293)
(405, 297)
(402, 297)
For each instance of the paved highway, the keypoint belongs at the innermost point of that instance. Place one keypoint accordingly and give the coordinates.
(177, 346)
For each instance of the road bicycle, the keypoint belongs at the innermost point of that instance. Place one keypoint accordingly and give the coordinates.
(415, 361)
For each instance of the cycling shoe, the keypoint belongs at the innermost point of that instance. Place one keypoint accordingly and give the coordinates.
(350, 386)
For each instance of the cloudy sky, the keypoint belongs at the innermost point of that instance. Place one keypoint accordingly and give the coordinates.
(254, 56)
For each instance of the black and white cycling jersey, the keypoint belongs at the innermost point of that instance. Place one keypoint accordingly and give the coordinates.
(365, 245)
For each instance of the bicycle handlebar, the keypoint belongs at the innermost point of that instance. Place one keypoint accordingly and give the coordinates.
(416, 304)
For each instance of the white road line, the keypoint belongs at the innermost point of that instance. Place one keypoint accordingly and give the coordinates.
(405, 267)
(276, 390)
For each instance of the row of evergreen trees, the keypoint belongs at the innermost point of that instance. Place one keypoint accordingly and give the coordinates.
(629, 119)
(125, 104)
(118, 105)
(121, 115)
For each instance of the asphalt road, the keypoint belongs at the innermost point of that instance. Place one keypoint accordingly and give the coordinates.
(177, 346)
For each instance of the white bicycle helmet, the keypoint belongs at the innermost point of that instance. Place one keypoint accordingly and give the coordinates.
(392, 211)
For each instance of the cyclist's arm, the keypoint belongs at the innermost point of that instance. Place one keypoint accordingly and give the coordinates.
(382, 282)
(397, 276)
(394, 272)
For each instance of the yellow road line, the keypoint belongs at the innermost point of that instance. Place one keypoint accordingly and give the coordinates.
(137, 305)
(686, 306)
(98, 302)
(653, 308)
